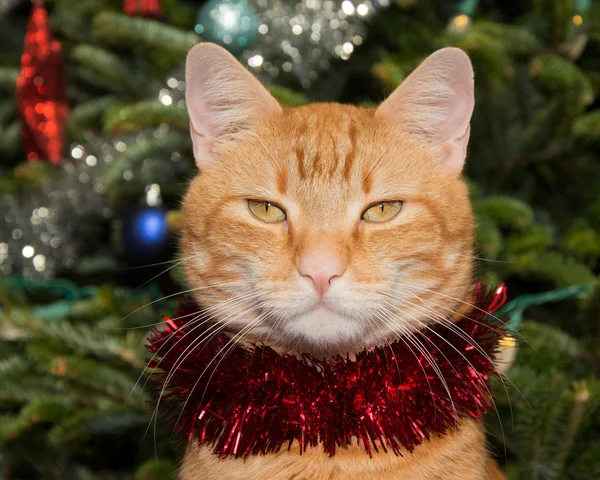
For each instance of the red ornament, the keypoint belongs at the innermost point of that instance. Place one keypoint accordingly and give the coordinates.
(248, 401)
(149, 8)
(41, 93)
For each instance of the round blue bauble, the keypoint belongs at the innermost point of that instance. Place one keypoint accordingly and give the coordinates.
(146, 233)
(229, 23)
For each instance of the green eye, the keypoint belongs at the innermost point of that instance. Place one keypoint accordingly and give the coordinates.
(382, 211)
(266, 211)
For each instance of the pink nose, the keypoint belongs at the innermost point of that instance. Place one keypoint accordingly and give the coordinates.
(321, 266)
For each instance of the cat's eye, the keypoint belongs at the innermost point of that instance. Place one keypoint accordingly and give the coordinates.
(266, 211)
(382, 211)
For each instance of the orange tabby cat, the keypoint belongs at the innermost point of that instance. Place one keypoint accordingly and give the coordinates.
(330, 228)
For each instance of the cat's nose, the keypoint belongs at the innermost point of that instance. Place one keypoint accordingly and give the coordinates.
(321, 266)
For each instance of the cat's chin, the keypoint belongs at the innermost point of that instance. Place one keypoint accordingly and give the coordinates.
(324, 331)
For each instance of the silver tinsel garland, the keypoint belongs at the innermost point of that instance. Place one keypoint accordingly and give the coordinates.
(297, 39)
(303, 38)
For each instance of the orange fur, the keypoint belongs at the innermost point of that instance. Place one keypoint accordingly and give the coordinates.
(456, 456)
(324, 164)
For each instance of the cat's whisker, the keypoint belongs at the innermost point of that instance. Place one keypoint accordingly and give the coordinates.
(165, 271)
(231, 344)
(451, 326)
(482, 259)
(202, 319)
(403, 337)
(267, 150)
(475, 307)
(203, 316)
(160, 263)
(472, 342)
(429, 358)
(206, 335)
(187, 352)
(502, 377)
(162, 322)
(462, 334)
(203, 338)
(206, 287)
(380, 157)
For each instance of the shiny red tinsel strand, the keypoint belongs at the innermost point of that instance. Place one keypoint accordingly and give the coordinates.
(248, 401)
(41, 92)
(149, 8)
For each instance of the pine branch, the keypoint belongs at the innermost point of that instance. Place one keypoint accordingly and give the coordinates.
(10, 138)
(8, 78)
(86, 114)
(109, 66)
(581, 397)
(506, 211)
(489, 238)
(144, 147)
(554, 266)
(287, 97)
(556, 73)
(587, 126)
(147, 113)
(124, 31)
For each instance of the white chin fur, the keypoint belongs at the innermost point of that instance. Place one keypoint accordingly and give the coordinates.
(323, 328)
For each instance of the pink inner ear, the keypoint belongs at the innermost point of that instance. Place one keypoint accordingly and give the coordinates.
(201, 148)
(436, 101)
(455, 152)
(222, 98)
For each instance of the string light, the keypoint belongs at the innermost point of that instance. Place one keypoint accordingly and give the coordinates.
(461, 23)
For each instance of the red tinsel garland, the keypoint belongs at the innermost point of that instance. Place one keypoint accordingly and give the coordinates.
(247, 401)
(41, 90)
(150, 8)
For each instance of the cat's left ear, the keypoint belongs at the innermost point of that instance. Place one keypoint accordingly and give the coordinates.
(436, 102)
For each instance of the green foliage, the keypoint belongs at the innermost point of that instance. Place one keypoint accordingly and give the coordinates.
(147, 113)
(89, 114)
(108, 65)
(145, 147)
(69, 362)
(71, 385)
(8, 78)
(587, 126)
(287, 97)
(505, 211)
(553, 405)
(117, 29)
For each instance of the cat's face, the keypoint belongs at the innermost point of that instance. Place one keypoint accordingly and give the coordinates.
(325, 228)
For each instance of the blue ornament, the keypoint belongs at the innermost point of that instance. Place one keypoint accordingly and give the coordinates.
(229, 23)
(146, 233)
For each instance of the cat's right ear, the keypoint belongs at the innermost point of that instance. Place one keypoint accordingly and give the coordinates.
(436, 102)
(222, 98)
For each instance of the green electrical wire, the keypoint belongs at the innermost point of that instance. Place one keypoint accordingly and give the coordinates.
(468, 7)
(63, 288)
(69, 292)
(581, 6)
(515, 309)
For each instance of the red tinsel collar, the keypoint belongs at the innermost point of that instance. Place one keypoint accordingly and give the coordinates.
(247, 401)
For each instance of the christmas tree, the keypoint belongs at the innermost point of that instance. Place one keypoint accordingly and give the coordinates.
(95, 154)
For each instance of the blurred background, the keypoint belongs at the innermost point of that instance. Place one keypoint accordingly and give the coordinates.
(95, 156)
